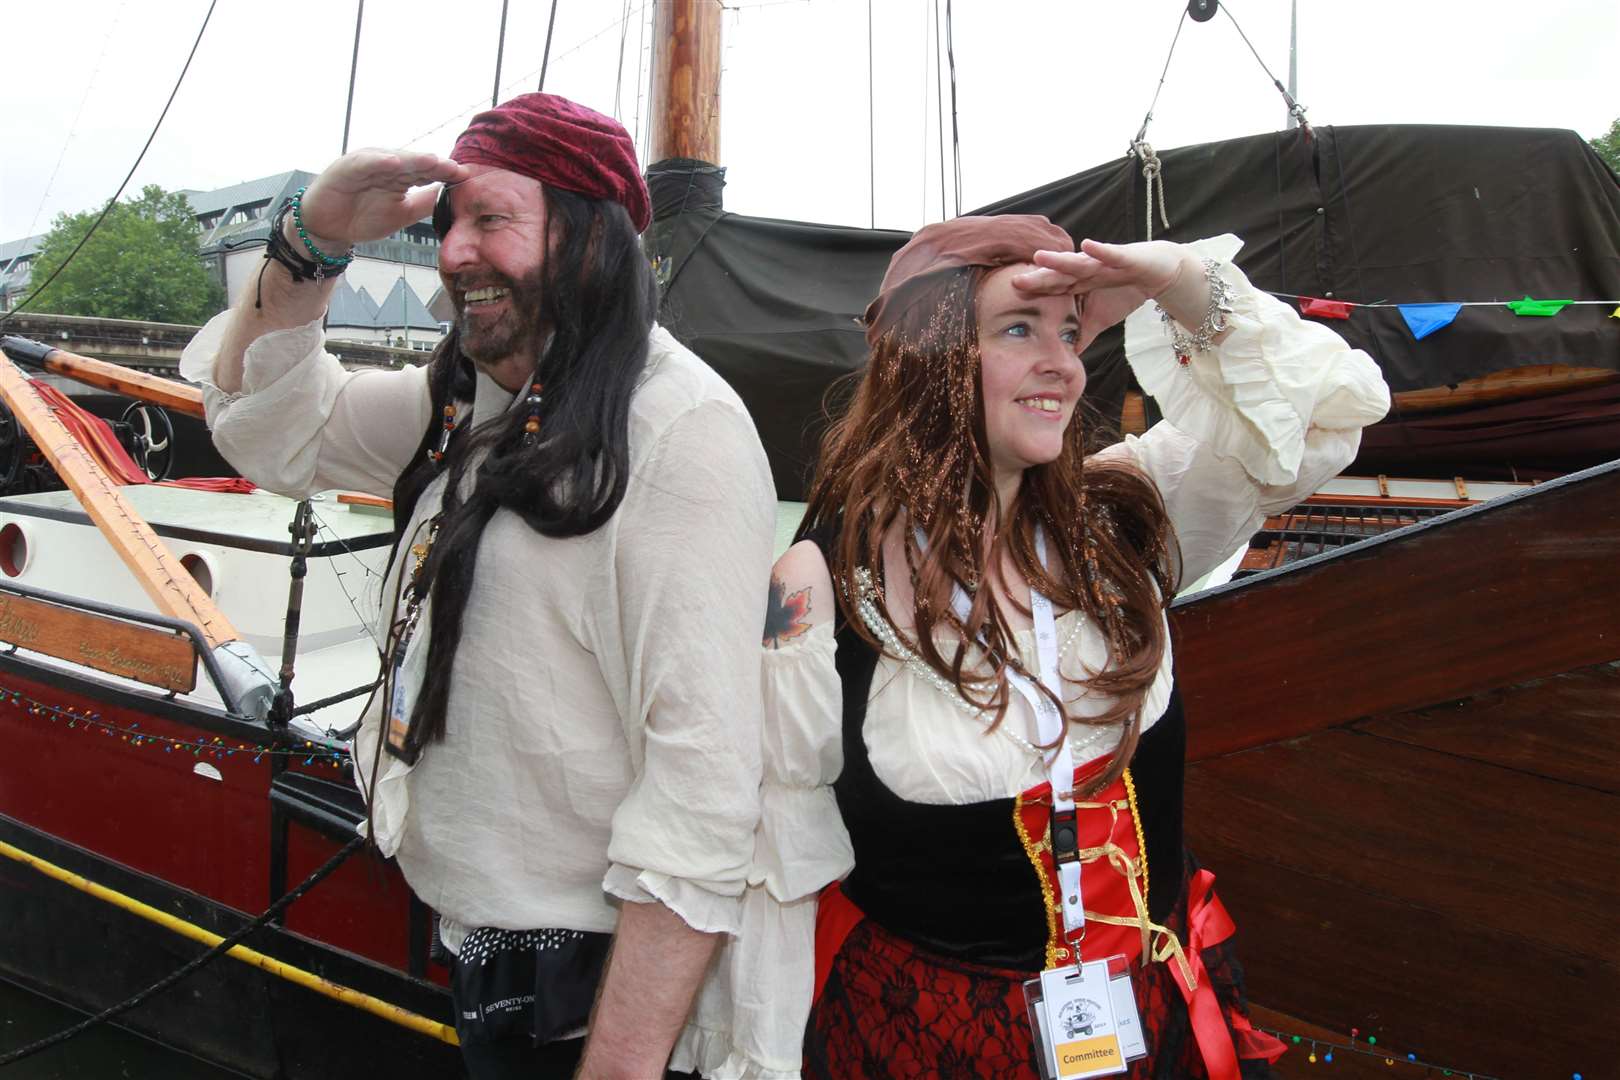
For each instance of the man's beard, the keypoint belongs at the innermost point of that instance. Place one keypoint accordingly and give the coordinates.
(489, 339)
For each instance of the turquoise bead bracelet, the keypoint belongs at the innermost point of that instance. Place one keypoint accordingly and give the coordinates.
(329, 261)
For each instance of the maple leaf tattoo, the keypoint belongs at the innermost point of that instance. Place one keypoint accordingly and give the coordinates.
(785, 615)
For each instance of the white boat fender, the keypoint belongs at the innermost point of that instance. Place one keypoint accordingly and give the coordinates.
(249, 682)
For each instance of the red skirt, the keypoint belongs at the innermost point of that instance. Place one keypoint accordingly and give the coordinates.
(886, 1009)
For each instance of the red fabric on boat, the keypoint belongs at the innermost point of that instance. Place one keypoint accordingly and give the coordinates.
(96, 436)
(234, 485)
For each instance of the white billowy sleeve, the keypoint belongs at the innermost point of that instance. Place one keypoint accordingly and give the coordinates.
(1252, 426)
(302, 423)
(694, 541)
(751, 1012)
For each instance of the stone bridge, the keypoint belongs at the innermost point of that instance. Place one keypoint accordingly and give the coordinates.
(155, 347)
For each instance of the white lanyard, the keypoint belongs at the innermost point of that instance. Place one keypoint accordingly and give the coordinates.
(1051, 728)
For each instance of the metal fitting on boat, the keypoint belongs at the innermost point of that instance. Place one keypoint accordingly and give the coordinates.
(249, 685)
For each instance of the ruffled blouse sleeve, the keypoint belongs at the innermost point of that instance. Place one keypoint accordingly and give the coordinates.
(302, 423)
(1252, 426)
(751, 1012)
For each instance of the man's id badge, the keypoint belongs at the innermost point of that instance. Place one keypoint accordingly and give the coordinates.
(1085, 1020)
(398, 718)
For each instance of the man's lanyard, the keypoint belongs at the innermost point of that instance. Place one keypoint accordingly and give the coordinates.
(1051, 730)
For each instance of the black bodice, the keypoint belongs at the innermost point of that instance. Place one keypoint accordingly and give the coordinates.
(955, 879)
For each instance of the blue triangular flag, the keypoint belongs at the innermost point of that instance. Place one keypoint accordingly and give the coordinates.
(1425, 319)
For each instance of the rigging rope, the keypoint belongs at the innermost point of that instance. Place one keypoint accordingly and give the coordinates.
(1148, 119)
(956, 139)
(354, 69)
(31, 297)
(545, 59)
(637, 136)
(871, 124)
(939, 106)
(1152, 170)
(73, 129)
(618, 80)
(1295, 109)
(1152, 176)
(925, 113)
(525, 77)
(225, 946)
(500, 54)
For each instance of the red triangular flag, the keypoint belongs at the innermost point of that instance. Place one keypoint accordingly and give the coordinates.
(1324, 309)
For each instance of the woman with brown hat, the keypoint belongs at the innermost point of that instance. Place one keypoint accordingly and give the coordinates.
(968, 653)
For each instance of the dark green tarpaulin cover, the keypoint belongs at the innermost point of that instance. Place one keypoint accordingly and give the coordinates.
(1405, 214)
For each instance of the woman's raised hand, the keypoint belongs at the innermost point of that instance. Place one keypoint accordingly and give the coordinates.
(1113, 280)
(368, 195)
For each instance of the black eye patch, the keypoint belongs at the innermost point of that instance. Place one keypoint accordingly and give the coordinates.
(443, 216)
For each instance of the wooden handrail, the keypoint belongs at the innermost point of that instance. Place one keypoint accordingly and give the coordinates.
(1493, 595)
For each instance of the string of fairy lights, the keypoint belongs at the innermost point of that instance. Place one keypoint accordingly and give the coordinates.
(213, 746)
(1320, 1050)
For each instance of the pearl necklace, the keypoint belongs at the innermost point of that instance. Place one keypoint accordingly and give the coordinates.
(866, 603)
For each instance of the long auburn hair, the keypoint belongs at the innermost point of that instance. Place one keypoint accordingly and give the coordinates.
(910, 450)
(598, 298)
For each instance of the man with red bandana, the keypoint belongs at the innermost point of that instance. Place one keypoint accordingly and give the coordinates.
(565, 753)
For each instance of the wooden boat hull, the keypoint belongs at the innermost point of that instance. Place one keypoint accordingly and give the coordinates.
(1404, 766)
(150, 823)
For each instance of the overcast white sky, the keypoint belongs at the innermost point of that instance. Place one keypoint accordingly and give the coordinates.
(1044, 87)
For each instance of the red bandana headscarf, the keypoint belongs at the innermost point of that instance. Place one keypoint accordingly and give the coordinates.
(998, 240)
(561, 143)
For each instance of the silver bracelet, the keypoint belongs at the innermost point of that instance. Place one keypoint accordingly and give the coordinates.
(1203, 338)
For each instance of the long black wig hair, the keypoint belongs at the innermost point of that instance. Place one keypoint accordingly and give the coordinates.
(597, 300)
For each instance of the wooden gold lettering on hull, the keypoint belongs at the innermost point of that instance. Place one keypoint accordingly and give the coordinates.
(155, 657)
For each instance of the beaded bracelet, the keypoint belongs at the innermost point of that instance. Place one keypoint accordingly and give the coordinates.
(279, 250)
(1203, 338)
(333, 263)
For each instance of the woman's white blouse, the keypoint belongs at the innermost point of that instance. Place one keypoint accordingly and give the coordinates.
(1250, 428)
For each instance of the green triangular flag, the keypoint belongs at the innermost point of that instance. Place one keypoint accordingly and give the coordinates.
(1545, 308)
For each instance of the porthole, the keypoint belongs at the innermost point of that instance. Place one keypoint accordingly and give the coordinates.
(13, 549)
(201, 571)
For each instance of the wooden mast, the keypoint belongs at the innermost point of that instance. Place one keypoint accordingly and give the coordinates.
(686, 81)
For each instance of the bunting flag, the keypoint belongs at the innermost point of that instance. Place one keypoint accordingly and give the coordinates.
(1544, 308)
(1615, 314)
(1425, 319)
(1323, 309)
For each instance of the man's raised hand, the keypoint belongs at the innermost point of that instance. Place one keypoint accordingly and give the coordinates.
(371, 194)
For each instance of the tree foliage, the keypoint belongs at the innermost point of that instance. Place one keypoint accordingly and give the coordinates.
(1608, 146)
(141, 263)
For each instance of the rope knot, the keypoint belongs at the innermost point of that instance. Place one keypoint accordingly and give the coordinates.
(1153, 176)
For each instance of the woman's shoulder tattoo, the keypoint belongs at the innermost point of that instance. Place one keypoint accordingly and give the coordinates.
(786, 614)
